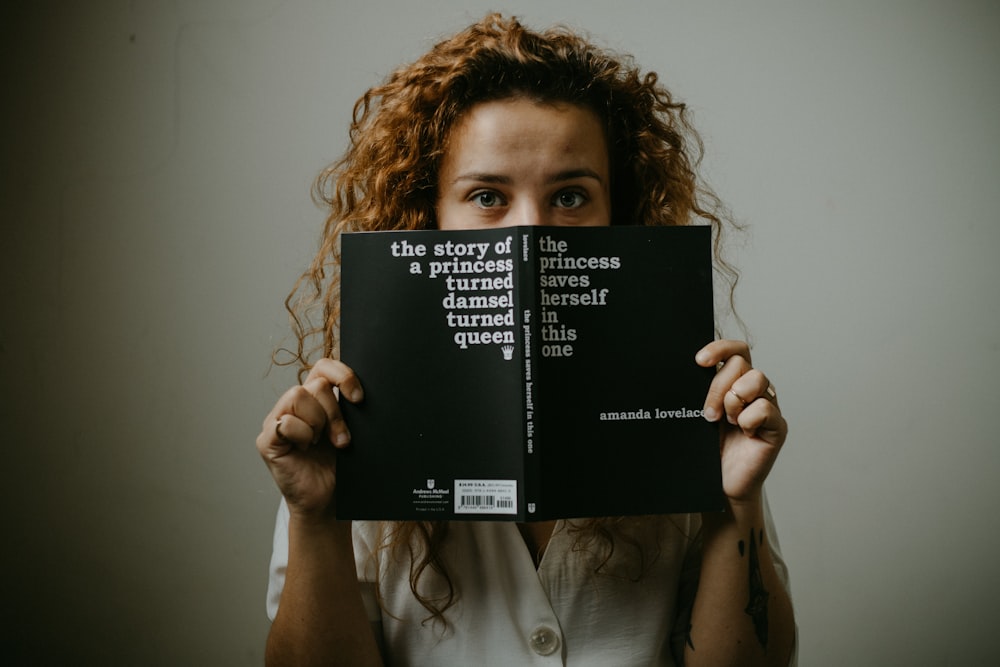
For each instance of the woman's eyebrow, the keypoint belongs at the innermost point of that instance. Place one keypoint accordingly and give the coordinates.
(484, 178)
(499, 179)
(571, 174)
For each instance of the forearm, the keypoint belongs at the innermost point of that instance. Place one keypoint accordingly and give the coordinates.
(321, 619)
(742, 614)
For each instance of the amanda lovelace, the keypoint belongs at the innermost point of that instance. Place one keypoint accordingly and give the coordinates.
(656, 413)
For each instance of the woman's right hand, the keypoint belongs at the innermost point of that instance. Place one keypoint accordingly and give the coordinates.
(295, 440)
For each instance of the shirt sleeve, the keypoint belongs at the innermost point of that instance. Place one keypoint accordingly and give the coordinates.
(279, 561)
(781, 569)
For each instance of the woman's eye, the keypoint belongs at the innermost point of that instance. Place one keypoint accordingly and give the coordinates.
(570, 199)
(486, 199)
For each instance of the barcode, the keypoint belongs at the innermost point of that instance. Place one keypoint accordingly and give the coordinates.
(478, 502)
(477, 496)
(485, 502)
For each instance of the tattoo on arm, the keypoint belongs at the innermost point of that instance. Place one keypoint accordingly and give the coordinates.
(757, 604)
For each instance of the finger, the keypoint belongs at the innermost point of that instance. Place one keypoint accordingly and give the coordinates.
(718, 391)
(308, 405)
(339, 375)
(274, 441)
(751, 386)
(305, 412)
(294, 432)
(269, 445)
(320, 387)
(295, 423)
(333, 418)
(326, 379)
(719, 351)
(282, 436)
(762, 419)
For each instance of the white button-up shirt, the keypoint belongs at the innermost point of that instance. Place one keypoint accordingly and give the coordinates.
(509, 613)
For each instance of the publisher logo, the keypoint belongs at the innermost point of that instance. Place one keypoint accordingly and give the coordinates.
(430, 484)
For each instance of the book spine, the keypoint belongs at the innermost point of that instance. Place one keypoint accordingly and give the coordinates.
(527, 288)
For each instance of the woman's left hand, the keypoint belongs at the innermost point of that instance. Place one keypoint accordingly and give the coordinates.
(752, 427)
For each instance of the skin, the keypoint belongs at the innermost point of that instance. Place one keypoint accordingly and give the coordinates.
(516, 162)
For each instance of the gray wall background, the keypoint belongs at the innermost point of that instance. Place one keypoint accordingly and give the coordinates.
(157, 158)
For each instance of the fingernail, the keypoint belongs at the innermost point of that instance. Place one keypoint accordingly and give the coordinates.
(356, 395)
(711, 414)
(342, 439)
(702, 358)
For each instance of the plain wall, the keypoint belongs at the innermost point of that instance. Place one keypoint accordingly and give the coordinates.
(157, 159)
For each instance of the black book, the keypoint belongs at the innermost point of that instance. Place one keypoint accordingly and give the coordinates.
(528, 374)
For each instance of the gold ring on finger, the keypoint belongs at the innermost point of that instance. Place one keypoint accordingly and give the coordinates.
(277, 431)
(738, 397)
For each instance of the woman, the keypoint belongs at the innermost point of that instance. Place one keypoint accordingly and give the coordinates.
(501, 126)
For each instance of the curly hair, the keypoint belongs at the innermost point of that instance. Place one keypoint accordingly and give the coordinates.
(387, 178)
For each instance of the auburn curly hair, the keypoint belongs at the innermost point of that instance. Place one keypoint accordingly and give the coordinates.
(387, 178)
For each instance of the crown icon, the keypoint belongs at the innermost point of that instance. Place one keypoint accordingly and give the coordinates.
(508, 352)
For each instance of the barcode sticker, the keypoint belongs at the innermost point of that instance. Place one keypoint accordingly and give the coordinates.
(485, 496)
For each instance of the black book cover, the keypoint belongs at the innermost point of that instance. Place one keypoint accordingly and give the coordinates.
(527, 373)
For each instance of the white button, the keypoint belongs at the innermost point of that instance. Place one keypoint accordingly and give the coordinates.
(544, 641)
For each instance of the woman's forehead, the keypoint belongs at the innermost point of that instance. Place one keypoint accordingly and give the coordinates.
(519, 130)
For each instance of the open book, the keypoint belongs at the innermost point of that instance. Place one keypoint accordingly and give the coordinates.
(528, 373)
